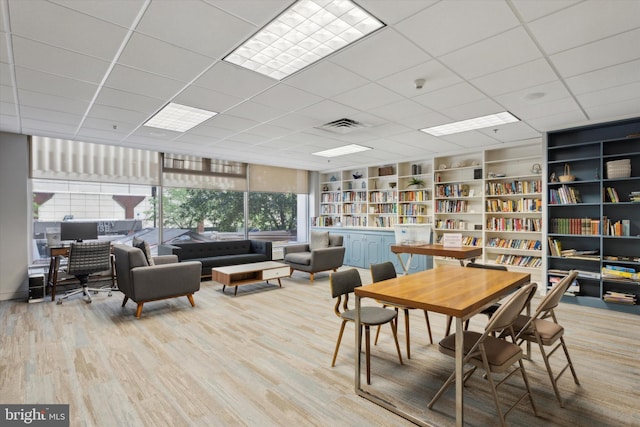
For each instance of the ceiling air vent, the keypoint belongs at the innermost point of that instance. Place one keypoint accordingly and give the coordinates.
(342, 126)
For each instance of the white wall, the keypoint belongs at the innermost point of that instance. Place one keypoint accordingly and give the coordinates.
(15, 214)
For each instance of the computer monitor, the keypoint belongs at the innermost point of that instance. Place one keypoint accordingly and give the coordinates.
(78, 231)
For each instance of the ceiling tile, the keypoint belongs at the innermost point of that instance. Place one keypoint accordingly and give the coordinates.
(52, 102)
(294, 122)
(558, 120)
(516, 78)
(135, 102)
(258, 13)
(436, 76)
(142, 83)
(530, 10)
(7, 95)
(157, 57)
(393, 11)
(616, 111)
(50, 116)
(196, 26)
(472, 139)
(286, 98)
(206, 99)
(380, 54)
(327, 111)
(450, 25)
(233, 80)
(53, 60)
(473, 109)
(511, 132)
(368, 97)
(37, 81)
(425, 141)
(234, 123)
(254, 111)
(584, 23)
(493, 54)
(611, 95)
(458, 94)
(605, 78)
(532, 96)
(123, 13)
(600, 54)
(65, 28)
(326, 79)
(536, 110)
(118, 115)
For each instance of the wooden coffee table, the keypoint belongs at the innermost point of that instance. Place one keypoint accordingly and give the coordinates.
(246, 274)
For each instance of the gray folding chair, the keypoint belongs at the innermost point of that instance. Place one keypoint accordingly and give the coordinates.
(343, 283)
(543, 328)
(494, 355)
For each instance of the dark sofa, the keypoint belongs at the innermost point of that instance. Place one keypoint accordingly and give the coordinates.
(219, 253)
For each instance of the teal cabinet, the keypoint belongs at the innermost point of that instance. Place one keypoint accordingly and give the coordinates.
(365, 247)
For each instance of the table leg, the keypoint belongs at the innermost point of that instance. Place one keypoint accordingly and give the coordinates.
(459, 371)
(357, 346)
(405, 267)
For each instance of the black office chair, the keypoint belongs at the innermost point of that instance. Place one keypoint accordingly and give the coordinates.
(85, 259)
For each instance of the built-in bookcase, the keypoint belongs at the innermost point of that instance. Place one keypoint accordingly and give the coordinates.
(593, 213)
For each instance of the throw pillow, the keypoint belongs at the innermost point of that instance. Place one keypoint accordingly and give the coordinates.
(144, 247)
(319, 240)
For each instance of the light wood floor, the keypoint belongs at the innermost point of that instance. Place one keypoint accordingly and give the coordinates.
(263, 358)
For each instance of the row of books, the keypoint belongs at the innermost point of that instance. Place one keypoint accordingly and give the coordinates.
(513, 187)
(451, 206)
(564, 195)
(616, 228)
(620, 297)
(454, 224)
(612, 194)
(580, 226)
(514, 224)
(521, 205)
(412, 209)
(618, 272)
(555, 249)
(634, 196)
(572, 290)
(585, 274)
(452, 190)
(413, 196)
(531, 245)
(519, 260)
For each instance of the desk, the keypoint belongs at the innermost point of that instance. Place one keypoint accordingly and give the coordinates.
(461, 253)
(58, 253)
(451, 290)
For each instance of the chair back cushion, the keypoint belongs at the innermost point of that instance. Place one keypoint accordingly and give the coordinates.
(509, 311)
(335, 240)
(382, 271)
(89, 257)
(145, 248)
(344, 282)
(319, 240)
(127, 258)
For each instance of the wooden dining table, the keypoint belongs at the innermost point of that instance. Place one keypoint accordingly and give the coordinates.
(451, 290)
(460, 253)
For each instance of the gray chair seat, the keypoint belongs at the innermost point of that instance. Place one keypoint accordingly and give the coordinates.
(301, 258)
(370, 315)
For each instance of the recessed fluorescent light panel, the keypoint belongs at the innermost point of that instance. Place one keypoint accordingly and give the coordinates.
(179, 118)
(342, 151)
(305, 33)
(472, 124)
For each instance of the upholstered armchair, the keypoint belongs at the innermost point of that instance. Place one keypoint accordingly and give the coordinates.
(324, 252)
(142, 282)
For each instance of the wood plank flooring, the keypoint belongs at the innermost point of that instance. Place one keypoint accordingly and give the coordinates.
(263, 358)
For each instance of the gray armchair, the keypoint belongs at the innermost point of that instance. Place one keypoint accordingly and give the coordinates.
(142, 282)
(324, 252)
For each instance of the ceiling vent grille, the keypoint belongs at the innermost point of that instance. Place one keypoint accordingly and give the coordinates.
(342, 126)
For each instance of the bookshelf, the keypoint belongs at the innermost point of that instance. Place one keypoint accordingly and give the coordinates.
(458, 199)
(513, 208)
(593, 222)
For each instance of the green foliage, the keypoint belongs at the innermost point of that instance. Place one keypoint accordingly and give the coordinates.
(273, 211)
(191, 208)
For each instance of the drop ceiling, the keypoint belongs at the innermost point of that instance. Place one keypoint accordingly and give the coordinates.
(96, 70)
